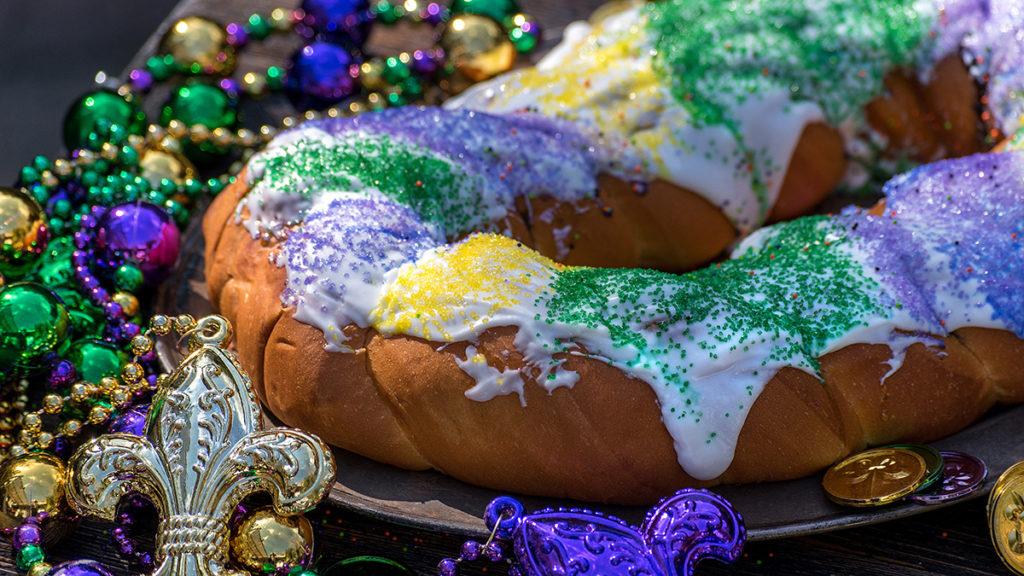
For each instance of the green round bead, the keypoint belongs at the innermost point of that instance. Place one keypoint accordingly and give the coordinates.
(95, 359)
(87, 319)
(33, 323)
(161, 67)
(196, 103)
(128, 278)
(29, 175)
(97, 111)
(258, 27)
(41, 163)
(55, 268)
(496, 10)
(395, 71)
(387, 12)
(523, 41)
(29, 556)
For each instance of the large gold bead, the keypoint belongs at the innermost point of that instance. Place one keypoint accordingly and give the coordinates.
(30, 484)
(265, 539)
(22, 231)
(159, 163)
(195, 40)
(478, 47)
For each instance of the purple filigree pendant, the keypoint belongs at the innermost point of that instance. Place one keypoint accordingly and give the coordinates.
(680, 531)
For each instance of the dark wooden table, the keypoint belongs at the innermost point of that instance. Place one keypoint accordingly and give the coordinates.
(951, 541)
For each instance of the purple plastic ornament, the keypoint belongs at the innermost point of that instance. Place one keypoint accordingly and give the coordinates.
(345, 22)
(962, 474)
(79, 568)
(140, 234)
(131, 421)
(320, 75)
(680, 531)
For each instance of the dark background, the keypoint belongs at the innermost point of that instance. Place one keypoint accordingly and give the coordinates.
(50, 51)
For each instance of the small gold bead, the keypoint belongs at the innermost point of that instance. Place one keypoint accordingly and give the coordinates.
(26, 438)
(39, 569)
(183, 323)
(48, 179)
(310, 115)
(333, 112)
(356, 107)
(288, 121)
(86, 157)
(177, 129)
(141, 344)
(71, 428)
(163, 381)
(31, 422)
(280, 19)
(79, 392)
(155, 132)
(44, 440)
(132, 372)
(108, 151)
(160, 324)
(128, 302)
(136, 141)
(120, 397)
(199, 133)
(109, 384)
(52, 404)
(98, 415)
(62, 167)
(223, 137)
(254, 83)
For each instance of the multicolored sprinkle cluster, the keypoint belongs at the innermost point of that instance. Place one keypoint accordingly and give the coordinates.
(372, 250)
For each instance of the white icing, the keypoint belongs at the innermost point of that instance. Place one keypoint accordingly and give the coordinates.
(490, 382)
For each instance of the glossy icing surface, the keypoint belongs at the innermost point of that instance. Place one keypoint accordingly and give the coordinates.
(376, 253)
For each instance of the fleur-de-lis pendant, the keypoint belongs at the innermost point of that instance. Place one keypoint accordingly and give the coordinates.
(204, 450)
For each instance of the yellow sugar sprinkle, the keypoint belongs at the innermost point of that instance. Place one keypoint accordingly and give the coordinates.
(462, 287)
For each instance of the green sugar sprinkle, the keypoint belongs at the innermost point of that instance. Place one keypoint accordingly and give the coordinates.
(833, 52)
(801, 288)
(439, 191)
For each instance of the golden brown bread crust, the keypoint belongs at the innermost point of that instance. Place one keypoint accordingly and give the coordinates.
(400, 400)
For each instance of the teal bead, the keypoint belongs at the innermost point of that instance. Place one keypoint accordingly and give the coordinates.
(33, 324)
(128, 156)
(41, 163)
(95, 359)
(29, 556)
(128, 278)
(497, 10)
(193, 187)
(215, 185)
(29, 175)
(98, 111)
(89, 178)
(197, 103)
(411, 88)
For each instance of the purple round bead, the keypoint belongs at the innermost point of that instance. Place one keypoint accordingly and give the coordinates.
(141, 80)
(320, 75)
(141, 234)
(132, 421)
(471, 550)
(494, 552)
(27, 534)
(339, 21)
(80, 568)
(62, 374)
(448, 567)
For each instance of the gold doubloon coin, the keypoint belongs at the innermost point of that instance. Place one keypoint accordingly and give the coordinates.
(1006, 517)
(875, 477)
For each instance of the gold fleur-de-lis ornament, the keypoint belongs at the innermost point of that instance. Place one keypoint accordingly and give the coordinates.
(203, 452)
